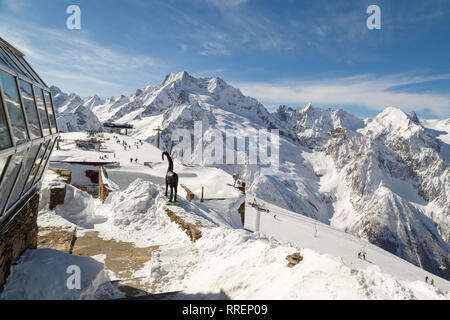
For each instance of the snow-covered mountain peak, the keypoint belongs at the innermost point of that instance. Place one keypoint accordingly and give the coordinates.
(92, 101)
(414, 118)
(313, 125)
(395, 120)
(181, 78)
(73, 113)
(308, 107)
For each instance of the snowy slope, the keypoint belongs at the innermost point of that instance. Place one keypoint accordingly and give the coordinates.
(234, 262)
(385, 179)
(307, 232)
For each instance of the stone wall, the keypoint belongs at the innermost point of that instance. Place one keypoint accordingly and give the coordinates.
(193, 231)
(17, 236)
(57, 196)
(103, 191)
(65, 174)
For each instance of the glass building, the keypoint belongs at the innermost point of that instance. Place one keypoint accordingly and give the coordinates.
(28, 131)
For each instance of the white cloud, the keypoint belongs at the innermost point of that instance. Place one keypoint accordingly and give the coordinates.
(375, 93)
(65, 57)
(15, 6)
(214, 48)
(226, 3)
(183, 48)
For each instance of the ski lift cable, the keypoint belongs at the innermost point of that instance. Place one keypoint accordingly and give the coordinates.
(301, 219)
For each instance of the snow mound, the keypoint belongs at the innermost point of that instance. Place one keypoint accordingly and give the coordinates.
(79, 208)
(137, 215)
(131, 205)
(245, 266)
(43, 274)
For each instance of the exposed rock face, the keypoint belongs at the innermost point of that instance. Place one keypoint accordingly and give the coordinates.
(397, 180)
(17, 236)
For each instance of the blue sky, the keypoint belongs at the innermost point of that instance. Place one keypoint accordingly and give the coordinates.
(280, 52)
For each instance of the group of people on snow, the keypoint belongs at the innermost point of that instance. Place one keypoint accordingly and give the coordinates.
(362, 254)
(431, 281)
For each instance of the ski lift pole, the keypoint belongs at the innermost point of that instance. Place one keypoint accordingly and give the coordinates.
(259, 208)
(159, 131)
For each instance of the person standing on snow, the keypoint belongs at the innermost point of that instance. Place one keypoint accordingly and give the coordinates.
(426, 279)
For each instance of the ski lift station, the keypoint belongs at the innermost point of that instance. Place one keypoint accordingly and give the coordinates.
(28, 132)
(117, 127)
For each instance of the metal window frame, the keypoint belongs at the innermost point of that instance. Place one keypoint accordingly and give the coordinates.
(34, 181)
(28, 175)
(43, 148)
(54, 110)
(11, 63)
(35, 107)
(9, 215)
(51, 145)
(4, 170)
(11, 71)
(26, 67)
(51, 108)
(3, 61)
(33, 76)
(42, 83)
(5, 209)
(43, 101)
(16, 61)
(46, 111)
(16, 180)
(7, 127)
(7, 112)
(19, 68)
(25, 118)
(37, 111)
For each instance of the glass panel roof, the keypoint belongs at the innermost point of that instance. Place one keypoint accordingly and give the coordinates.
(30, 109)
(14, 107)
(5, 140)
(9, 178)
(21, 180)
(11, 64)
(42, 112)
